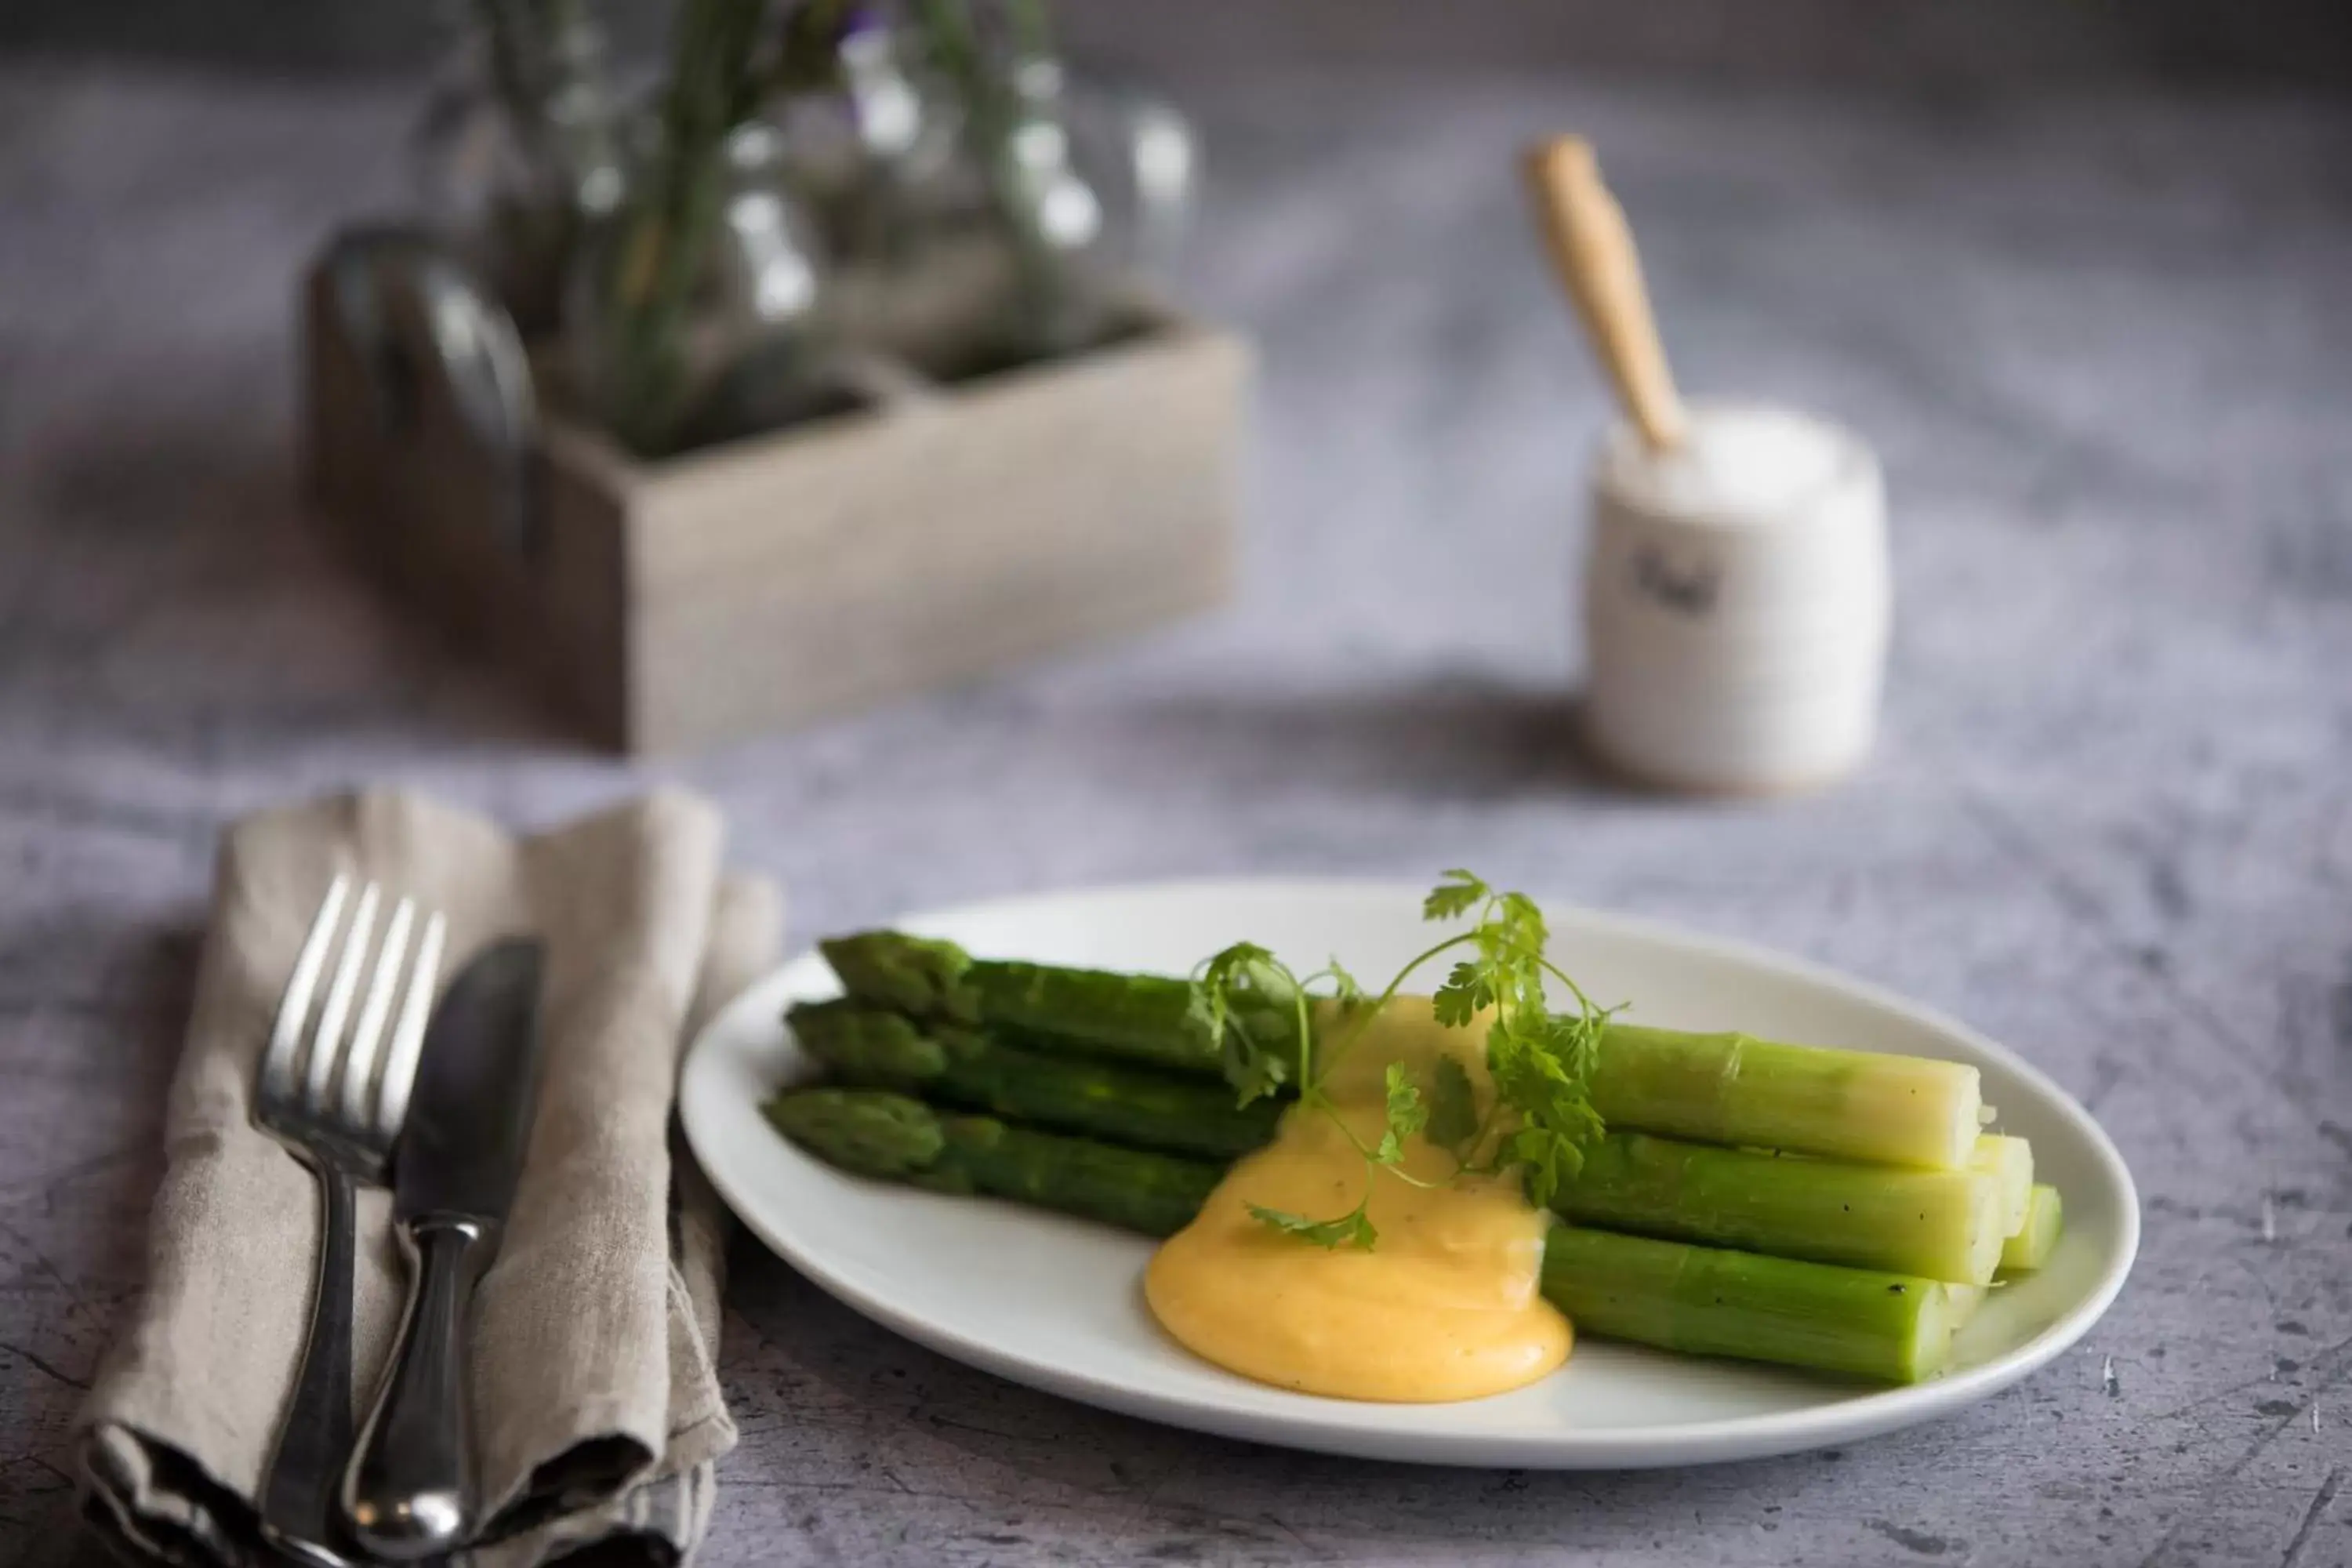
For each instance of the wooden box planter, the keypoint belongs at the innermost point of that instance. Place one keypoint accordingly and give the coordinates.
(920, 540)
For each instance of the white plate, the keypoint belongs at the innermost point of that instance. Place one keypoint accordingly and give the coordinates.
(1057, 1303)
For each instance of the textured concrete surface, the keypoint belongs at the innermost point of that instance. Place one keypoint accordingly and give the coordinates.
(2105, 346)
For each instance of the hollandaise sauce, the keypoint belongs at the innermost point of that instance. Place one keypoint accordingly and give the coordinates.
(1446, 1305)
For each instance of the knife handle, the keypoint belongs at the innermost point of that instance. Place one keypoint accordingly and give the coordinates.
(409, 1493)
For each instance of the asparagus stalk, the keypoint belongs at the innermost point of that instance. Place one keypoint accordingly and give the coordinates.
(1732, 1088)
(1143, 1018)
(2009, 1162)
(1725, 1087)
(1707, 1300)
(1964, 1300)
(959, 1066)
(1939, 1224)
(2030, 1248)
(1943, 1224)
(876, 1133)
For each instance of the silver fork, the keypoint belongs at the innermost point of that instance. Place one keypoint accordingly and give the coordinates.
(334, 1091)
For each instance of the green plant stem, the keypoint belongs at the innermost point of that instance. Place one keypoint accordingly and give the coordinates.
(665, 227)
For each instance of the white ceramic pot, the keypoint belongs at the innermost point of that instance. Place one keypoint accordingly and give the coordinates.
(1737, 601)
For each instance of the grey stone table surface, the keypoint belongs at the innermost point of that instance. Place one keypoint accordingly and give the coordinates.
(2106, 347)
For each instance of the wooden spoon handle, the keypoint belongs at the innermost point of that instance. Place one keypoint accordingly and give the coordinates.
(1593, 250)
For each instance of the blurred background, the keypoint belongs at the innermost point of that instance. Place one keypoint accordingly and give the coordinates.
(1911, 43)
(2082, 273)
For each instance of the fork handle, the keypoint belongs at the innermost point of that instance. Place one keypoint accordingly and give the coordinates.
(298, 1497)
(409, 1493)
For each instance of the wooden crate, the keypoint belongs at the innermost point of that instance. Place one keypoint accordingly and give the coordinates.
(921, 540)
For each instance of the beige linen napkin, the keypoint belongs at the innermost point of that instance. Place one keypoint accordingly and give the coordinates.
(595, 1400)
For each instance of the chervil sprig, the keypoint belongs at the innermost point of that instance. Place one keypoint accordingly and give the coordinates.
(1238, 996)
(1541, 1061)
(1542, 1117)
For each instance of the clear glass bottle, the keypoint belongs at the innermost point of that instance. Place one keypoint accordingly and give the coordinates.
(869, 135)
(1139, 156)
(520, 149)
(1083, 192)
(678, 335)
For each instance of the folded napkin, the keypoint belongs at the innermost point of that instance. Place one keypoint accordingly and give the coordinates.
(598, 1415)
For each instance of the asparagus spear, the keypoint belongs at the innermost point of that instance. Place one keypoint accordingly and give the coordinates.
(1866, 1322)
(1710, 1301)
(1732, 1087)
(2009, 1161)
(1941, 1225)
(2030, 1248)
(967, 1067)
(1725, 1087)
(1944, 1225)
(876, 1133)
(1964, 1300)
(1144, 1018)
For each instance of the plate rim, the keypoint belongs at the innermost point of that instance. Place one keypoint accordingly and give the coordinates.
(1717, 1440)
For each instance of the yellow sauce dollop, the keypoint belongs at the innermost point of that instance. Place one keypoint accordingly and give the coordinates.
(1445, 1306)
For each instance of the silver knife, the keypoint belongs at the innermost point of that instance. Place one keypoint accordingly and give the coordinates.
(409, 1491)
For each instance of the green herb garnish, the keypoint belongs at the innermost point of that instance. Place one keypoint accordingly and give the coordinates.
(1261, 1014)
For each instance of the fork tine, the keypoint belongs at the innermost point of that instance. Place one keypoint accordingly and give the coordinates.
(277, 1077)
(327, 1041)
(408, 1034)
(359, 1061)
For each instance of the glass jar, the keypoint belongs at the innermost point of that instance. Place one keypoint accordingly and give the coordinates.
(869, 135)
(1140, 158)
(520, 149)
(1086, 194)
(701, 317)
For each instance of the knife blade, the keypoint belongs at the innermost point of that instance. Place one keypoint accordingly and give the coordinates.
(408, 1490)
(469, 1115)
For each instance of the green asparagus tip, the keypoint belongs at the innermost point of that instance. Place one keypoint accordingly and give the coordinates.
(914, 974)
(867, 1044)
(868, 1132)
